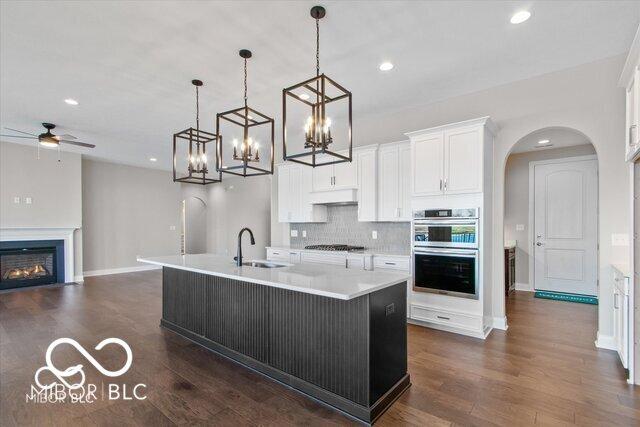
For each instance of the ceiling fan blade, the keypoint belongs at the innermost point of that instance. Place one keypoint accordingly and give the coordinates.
(20, 131)
(67, 137)
(19, 136)
(78, 143)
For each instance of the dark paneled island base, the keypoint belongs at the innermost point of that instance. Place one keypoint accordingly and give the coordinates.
(350, 354)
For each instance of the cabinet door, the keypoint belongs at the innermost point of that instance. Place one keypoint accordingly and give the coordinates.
(295, 194)
(404, 192)
(322, 176)
(283, 193)
(427, 164)
(367, 186)
(389, 183)
(345, 175)
(463, 161)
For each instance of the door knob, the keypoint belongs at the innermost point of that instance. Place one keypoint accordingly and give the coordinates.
(539, 243)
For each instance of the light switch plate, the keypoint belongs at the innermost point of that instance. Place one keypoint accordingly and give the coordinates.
(304, 233)
(28, 200)
(619, 239)
(374, 234)
(16, 199)
(519, 227)
(294, 233)
(172, 227)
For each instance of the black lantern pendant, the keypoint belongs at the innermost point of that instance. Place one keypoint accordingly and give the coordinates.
(246, 159)
(318, 94)
(197, 149)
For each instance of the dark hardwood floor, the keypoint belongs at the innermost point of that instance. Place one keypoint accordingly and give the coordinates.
(543, 371)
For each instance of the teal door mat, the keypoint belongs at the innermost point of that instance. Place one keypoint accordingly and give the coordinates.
(583, 299)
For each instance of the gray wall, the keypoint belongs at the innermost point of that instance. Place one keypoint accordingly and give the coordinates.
(342, 227)
(128, 211)
(516, 200)
(54, 187)
(195, 223)
(237, 203)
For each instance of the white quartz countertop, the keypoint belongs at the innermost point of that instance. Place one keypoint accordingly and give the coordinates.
(318, 279)
(363, 252)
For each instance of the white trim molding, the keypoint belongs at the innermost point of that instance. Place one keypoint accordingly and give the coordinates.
(606, 342)
(526, 287)
(121, 270)
(499, 323)
(65, 234)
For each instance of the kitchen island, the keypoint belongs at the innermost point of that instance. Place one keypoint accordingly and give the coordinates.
(335, 334)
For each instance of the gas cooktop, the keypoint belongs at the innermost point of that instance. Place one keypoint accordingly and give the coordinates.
(335, 247)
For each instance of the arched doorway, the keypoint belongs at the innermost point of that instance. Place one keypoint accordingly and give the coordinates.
(550, 217)
(194, 226)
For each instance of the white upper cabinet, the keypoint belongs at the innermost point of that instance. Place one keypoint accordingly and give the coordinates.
(335, 177)
(366, 165)
(630, 80)
(427, 164)
(449, 159)
(294, 187)
(394, 195)
(463, 161)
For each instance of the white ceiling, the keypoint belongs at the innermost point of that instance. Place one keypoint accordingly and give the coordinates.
(130, 64)
(558, 138)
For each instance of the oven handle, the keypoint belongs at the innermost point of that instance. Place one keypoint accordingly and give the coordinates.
(444, 252)
(439, 222)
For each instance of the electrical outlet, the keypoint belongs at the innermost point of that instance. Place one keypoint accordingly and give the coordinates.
(172, 227)
(619, 240)
(519, 227)
(374, 234)
(294, 233)
(28, 200)
(304, 233)
(16, 199)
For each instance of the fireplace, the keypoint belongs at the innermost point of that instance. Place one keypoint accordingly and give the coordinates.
(31, 263)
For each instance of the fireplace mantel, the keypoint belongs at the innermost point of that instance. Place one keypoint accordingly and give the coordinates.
(66, 234)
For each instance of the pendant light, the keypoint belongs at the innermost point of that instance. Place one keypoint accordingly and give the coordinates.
(249, 128)
(197, 162)
(316, 94)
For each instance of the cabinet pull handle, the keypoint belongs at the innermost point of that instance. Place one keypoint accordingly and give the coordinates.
(445, 184)
(390, 263)
(440, 184)
(443, 317)
(615, 301)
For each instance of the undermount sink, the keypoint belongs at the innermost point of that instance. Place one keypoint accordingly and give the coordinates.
(263, 264)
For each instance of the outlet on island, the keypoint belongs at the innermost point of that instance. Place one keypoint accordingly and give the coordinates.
(374, 234)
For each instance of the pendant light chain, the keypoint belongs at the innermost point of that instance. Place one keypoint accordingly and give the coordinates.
(245, 82)
(317, 47)
(197, 109)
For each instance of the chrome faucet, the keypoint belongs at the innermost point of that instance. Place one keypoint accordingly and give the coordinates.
(238, 258)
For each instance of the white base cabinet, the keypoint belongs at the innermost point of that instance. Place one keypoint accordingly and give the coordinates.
(621, 310)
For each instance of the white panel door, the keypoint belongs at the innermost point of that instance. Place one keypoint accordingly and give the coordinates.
(283, 193)
(322, 176)
(389, 183)
(463, 161)
(367, 186)
(345, 174)
(427, 164)
(404, 157)
(565, 227)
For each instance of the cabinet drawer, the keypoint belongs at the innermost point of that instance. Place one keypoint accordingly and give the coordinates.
(335, 259)
(392, 263)
(443, 317)
(277, 255)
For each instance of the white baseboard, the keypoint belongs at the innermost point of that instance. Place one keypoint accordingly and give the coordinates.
(454, 329)
(78, 279)
(606, 341)
(524, 287)
(499, 323)
(121, 270)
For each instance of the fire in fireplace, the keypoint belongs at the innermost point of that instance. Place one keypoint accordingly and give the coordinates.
(30, 263)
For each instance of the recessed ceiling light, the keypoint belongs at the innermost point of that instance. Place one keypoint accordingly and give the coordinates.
(304, 96)
(543, 141)
(71, 101)
(386, 66)
(520, 17)
(153, 159)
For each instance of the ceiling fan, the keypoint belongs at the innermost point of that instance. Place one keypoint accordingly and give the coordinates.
(47, 139)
